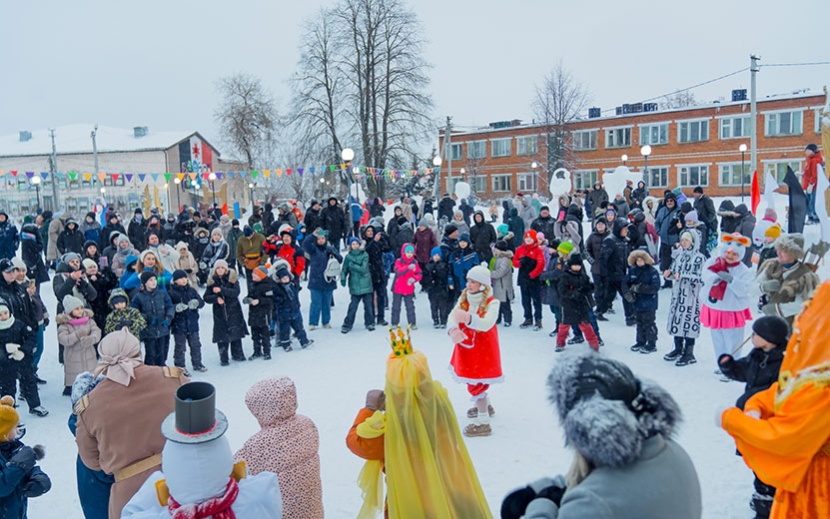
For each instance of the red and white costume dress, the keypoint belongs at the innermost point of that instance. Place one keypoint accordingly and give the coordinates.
(476, 360)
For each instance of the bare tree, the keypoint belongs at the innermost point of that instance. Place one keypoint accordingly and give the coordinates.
(247, 116)
(679, 100)
(560, 100)
(362, 82)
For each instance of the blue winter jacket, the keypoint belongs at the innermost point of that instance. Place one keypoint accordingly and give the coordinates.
(185, 322)
(356, 209)
(9, 239)
(286, 301)
(16, 486)
(318, 258)
(157, 310)
(648, 284)
(93, 485)
(131, 281)
(663, 221)
(463, 260)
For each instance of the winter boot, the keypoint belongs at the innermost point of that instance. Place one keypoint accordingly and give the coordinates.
(576, 339)
(223, 355)
(481, 427)
(676, 352)
(537, 326)
(648, 348)
(527, 323)
(637, 347)
(473, 411)
(688, 356)
(41, 411)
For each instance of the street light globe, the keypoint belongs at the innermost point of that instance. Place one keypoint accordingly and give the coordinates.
(624, 158)
(347, 154)
(36, 180)
(251, 185)
(534, 165)
(212, 177)
(742, 148)
(103, 190)
(463, 171)
(177, 181)
(322, 181)
(437, 161)
(645, 151)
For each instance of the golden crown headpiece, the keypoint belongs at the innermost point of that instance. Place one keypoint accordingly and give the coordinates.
(400, 341)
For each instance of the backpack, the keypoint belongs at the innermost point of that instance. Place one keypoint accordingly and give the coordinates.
(332, 271)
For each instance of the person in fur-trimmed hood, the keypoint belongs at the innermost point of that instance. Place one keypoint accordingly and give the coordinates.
(229, 327)
(621, 429)
(122, 315)
(786, 281)
(643, 283)
(79, 335)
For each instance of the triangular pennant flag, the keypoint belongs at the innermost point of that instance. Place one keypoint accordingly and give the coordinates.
(288, 172)
(242, 174)
(30, 174)
(44, 175)
(13, 172)
(114, 177)
(219, 175)
(155, 177)
(101, 177)
(87, 177)
(59, 176)
(230, 175)
(206, 176)
(142, 176)
(180, 176)
(73, 175)
(267, 173)
(300, 171)
(278, 172)
(167, 177)
(129, 176)
(342, 166)
(310, 170)
(254, 173)
(755, 192)
(332, 167)
(192, 176)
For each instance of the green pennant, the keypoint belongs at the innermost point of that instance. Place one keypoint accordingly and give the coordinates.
(332, 167)
(73, 175)
(167, 177)
(254, 173)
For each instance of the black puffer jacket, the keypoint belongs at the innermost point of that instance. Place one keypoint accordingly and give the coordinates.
(759, 370)
(14, 500)
(593, 247)
(228, 320)
(544, 225)
(729, 219)
(575, 291)
(259, 315)
(613, 256)
(483, 236)
(375, 249)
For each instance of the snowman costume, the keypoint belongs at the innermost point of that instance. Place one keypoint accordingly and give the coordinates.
(726, 296)
(199, 479)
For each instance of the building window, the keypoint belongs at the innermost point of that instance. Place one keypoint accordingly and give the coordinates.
(817, 119)
(456, 151)
(734, 127)
(618, 137)
(658, 176)
(478, 183)
(501, 147)
(730, 174)
(451, 182)
(693, 131)
(584, 140)
(654, 134)
(692, 176)
(120, 180)
(584, 179)
(527, 145)
(778, 169)
(528, 182)
(502, 183)
(476, 149)
(783, 123)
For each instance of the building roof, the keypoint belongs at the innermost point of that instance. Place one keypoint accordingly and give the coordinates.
(76, 139)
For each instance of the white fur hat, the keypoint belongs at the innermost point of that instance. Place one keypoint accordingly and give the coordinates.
(480, 273)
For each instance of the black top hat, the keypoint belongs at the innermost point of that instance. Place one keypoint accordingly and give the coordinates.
(196, 419)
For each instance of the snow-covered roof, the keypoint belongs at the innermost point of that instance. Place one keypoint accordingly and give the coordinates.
(75, 138)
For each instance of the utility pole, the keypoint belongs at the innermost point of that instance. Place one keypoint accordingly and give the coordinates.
(53, 170)
(95, 148)
(447, 153)
(753, 130)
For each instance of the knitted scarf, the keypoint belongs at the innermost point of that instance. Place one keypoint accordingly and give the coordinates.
(217, 507)
(718, 290)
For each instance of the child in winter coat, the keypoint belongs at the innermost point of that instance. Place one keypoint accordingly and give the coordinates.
(79, 335)
(189, 265)
(103, 282)
(157, 309)
(476, 358)
(15, 351)
(355, 271)
(185, 325)
(575, 295)
(122, 315)
(228, 321)
(684, 312)
(287, 304)
(407, 273)
(759, 370)
(20, 477)
(767, 245)
(530, 261)
(436, 279)
(462, 259)
(502, 276)
(643, 283)
(260, 310)
(287, 445)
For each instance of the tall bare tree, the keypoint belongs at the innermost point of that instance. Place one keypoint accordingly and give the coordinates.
(679, 100)
(247, 116)
(362, 80)
(560, 99)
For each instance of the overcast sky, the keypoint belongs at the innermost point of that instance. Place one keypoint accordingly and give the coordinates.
(153, 63)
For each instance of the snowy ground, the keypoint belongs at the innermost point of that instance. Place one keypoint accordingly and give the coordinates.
(333, 375)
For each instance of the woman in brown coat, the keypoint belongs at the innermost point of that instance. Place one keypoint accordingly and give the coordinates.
(287, 445)
(55, 230)
(79, 335)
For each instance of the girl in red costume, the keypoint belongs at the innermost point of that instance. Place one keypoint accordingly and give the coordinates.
(476, 359)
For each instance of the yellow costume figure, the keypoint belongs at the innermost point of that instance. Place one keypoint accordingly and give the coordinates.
(429, 473)
(784, 432)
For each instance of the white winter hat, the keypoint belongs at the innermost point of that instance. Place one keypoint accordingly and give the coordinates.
(70, 303)
(480, 274)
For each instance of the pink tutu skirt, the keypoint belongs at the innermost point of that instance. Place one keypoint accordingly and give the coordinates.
(719, 319)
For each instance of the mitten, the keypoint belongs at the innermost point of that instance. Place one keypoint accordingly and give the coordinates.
(726, 276)
(165, 323)
(461, 316)
(203, 265)
(14, 352)
(457, 335)
(514, 505)
(188, 271)
(24, 458)
(154, 321)
(181, 307)
(410, 281)
(770, 286)
(193, 304)
(246, 300)
(254, 302)
(374, 399)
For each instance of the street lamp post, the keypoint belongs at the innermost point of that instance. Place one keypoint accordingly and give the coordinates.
(742, 149)
(645, 151)
(36, 181)
(212, 178)
(178, 181)
(253, 200)
(624, 159)
(348, 156)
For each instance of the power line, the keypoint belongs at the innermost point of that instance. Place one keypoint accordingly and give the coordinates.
(808, 64)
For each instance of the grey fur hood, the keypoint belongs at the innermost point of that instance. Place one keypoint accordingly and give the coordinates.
(607, 412)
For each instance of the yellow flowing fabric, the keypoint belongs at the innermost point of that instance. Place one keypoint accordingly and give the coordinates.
(428, 469)
(370, 479)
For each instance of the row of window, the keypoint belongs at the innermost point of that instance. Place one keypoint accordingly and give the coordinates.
(658, 177)
(733, 127)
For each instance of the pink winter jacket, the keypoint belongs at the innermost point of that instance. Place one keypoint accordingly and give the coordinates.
(287, 445)
(403, 274)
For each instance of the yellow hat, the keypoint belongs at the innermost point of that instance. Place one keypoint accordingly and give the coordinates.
(774, 231)
(8, 416)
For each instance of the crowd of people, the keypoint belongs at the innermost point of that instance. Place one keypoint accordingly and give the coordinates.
(126, 287)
